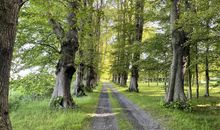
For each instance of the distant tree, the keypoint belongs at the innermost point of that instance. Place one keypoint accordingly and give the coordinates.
(139, 22)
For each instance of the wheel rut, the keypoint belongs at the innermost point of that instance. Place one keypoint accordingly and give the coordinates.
(140, 119)
(104, 119)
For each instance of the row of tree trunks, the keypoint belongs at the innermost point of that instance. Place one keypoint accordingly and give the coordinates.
(120, 79)
(9, 10)
(139, 19)
(123, 80)
(65, 68)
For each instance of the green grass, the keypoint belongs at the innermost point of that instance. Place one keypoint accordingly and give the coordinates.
(205, 114)
(37, 115)
(123, 123)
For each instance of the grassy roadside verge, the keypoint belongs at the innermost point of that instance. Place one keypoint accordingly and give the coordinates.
(36, 115)
(123, 123)
(205, 115)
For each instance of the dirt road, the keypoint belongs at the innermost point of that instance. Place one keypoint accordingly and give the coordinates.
(105, 119)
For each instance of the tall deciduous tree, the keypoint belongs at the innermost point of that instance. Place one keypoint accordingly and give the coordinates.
(137, 40)
(65, 67)
(176, 81)
(9, 10)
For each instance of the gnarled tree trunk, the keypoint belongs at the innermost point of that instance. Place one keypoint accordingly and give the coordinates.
(138, 38)
(91, 79)
(79, 87)
(176, 82)
(9, 10)
(65, 68)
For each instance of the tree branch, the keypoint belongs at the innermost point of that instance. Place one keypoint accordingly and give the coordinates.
(57, 29)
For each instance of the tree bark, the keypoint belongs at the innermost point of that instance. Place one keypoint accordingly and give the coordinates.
(65, 68)
(79, 87)
(207, 71)
(91, 79)
(9, 10)
(197, 73)
(176, 81)
(189, 76)
(118, 78)
(113, 78)
(133, 87)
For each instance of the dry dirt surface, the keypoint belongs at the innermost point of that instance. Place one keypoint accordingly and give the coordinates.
(104, 119)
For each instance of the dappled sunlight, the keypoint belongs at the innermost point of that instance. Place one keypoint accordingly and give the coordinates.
(203, 105)
(103, 114)
(215, 105)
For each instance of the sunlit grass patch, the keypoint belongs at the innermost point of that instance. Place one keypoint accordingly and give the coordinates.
(36, 115)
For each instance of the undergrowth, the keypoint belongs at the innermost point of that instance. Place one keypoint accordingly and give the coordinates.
(35, 114)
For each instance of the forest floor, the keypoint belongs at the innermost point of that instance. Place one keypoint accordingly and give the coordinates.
(105, 119)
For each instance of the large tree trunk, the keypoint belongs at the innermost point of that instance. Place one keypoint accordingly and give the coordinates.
(91, 78)
(138, 38)
(9, 10)
(79, 87)
(207, 71)
(197, 73)
(65, 68)
(176, 81)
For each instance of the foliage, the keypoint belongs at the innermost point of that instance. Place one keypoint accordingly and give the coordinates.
(186, 106)
(40, 84)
